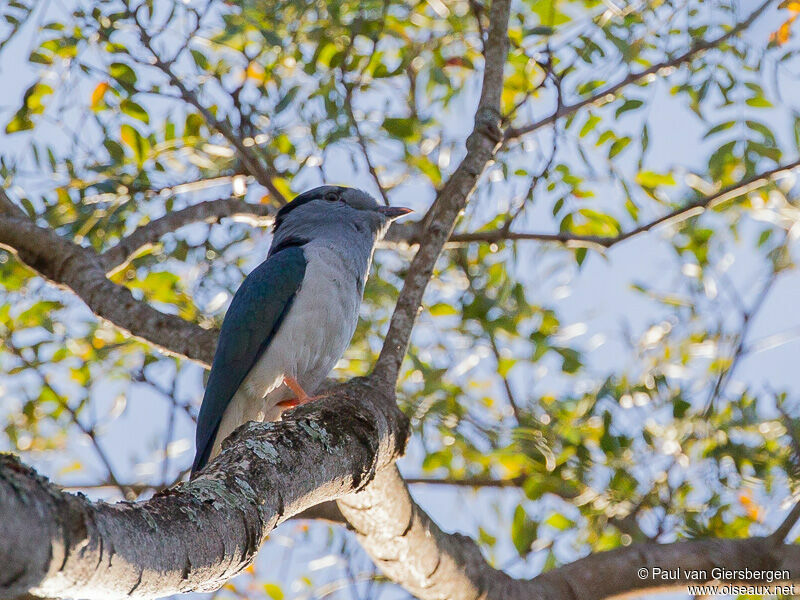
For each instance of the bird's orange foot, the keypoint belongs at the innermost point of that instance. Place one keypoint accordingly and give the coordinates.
(300, 394)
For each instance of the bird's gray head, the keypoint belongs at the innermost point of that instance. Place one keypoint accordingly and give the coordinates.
(334, 212)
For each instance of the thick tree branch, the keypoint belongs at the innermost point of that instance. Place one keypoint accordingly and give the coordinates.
(514, 132)
(413, 552)
(59, 545)
(469, 482)
(482, 145)
(341, 447)
(65, 263)
(8, 207)
(779, 535)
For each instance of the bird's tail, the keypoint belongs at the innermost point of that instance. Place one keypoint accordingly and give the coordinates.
(202, 456)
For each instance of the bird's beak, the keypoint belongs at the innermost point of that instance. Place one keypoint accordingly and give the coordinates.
(394, 212)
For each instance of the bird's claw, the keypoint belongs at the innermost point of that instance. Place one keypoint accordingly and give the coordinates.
(295, 402)
(300, 397)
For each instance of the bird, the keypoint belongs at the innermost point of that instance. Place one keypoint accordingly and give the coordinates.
(293, 316)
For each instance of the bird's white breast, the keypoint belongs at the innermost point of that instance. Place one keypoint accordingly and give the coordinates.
(312, 337)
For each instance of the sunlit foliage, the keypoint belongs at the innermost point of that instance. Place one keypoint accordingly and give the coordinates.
(125, 111)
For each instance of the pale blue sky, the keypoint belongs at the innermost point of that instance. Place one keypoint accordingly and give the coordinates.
(599, 296)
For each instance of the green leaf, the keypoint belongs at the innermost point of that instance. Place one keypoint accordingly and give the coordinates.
(19, 122)
(192, 126)
(679, 408)
(441, 309)
(400, 128)
(115, 151)
(523, 531)
(590, 124)
(618, 146)
(758, 102)
(540, 30)
(580, 255)
(628, 105)
(136, 142)
(132, 109)
(284, 102)
(124, 74)
(719, 128)
(200, 60)
(797, 131)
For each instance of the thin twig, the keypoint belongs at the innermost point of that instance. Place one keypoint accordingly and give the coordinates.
(696, 49)
(674, 217)
(251, 162)
(725, 374)
(116, 257)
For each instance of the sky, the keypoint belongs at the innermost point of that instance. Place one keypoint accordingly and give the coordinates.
(598, 296)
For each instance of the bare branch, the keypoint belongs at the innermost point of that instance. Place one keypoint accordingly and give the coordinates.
(365, 150)
(474, 482)
(411, 232)
(210, 211)
(697, 49)
(482, 145)
(362, 142)
(726, 372)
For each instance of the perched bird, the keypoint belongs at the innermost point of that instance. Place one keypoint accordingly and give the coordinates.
(293, 316)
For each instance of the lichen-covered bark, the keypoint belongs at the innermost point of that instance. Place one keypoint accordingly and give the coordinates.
(194, 537)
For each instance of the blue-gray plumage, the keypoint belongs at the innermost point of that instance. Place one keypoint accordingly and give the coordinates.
(293, 316)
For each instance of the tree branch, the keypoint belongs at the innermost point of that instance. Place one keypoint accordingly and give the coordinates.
(84, 272)
(779, 535)
(65, 263)
(59, 545)
(431, 564)
(209, 211)
(414, 233)
(678, 215)
(342, 447)
(698, 48)
(482, 145)
(8, 207)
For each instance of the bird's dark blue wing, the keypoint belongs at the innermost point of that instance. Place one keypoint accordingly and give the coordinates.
(255, 314)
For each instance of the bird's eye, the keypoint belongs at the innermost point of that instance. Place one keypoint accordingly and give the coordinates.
(331, 196)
